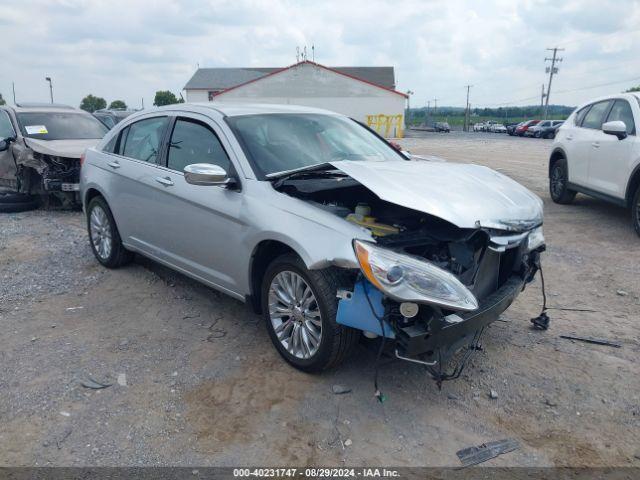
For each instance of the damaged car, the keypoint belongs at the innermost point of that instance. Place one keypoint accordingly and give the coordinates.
(319, 224)
(40, 150)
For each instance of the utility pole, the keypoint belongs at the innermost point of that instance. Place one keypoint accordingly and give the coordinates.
(409, 93)
(551, 70)
(466, 112)
(435, 107)
(13, 87)
(48, 79)
(542, 95)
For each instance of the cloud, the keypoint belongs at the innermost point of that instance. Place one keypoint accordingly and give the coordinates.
(123, 49)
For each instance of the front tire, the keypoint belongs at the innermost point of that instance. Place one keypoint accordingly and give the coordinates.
(11, 202)
(300, 308)
(635, 210)
(104, 236)
(558, 181)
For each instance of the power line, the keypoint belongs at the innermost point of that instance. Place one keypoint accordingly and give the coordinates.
(600, 85)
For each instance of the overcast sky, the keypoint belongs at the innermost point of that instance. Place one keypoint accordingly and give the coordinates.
(129, 49)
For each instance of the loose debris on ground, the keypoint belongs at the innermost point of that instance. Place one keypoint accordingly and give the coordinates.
(597, 341)
(475, 455)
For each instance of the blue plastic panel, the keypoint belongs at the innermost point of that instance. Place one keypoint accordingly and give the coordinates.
(355, 312)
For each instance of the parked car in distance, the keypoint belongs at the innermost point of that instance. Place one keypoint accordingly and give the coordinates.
(111, 117)
(442, 127)
(536, 130)
(511, 128)
(297, 211)
(498, 128)
(597, 152)
(550, 131)
(522, 128)
(478, 127)
(41, 146)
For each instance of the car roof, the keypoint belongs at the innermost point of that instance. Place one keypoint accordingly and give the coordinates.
(237, 109)
(627, 95)
(27, 108)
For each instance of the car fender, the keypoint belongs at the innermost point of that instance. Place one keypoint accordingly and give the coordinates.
(632, 182)
(558, 150)
(321, 239)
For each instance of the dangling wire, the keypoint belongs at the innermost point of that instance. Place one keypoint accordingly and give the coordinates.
(378, 394)
(541, 322)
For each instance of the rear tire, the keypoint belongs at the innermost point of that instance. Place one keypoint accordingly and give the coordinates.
(305, 353)
(635, 210)
(558, 180)
(104, 236)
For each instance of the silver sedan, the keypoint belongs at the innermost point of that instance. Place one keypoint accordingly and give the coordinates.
(318, 223)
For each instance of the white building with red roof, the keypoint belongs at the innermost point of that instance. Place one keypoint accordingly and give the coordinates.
(366, 94)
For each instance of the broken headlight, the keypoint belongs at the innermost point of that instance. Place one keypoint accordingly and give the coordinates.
(535, 239)
(408, 279)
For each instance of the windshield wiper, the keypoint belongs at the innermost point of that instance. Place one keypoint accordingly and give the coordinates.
(320, 169)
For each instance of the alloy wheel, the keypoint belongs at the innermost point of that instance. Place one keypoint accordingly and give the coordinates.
(100, 230)
(295, 314)
(557, 181)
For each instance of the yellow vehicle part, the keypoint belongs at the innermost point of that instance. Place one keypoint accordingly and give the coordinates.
(378, 229)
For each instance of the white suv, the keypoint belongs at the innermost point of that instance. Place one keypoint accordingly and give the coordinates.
(597, 152)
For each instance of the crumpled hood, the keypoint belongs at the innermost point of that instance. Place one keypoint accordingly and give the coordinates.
(469, 196)
(61, 148)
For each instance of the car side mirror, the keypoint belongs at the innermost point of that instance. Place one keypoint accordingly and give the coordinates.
(206, 174)
(616, 127)
(5, 142)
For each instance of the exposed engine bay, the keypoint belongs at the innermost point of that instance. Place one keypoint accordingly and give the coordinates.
(49, 176)
(493, 265)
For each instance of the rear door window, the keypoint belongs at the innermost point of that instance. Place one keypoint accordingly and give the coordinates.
(621, 110)
(143, 139)
(595, 117)
(194, 142)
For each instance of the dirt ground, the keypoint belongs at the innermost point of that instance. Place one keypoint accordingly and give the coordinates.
(200, 383)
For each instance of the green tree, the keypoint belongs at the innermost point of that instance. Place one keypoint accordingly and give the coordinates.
(633, 89)
(165, 97)
(2, 102)
(118, 104)
(91, 103)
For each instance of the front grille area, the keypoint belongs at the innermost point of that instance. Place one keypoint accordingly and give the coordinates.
(494, 270)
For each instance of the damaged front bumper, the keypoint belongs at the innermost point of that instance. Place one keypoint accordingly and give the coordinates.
(434, 335)
(434, 332)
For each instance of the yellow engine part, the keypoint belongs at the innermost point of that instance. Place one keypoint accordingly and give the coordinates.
(378, 229)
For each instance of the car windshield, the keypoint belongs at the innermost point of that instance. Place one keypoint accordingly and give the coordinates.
(60, 126)
(278, 143)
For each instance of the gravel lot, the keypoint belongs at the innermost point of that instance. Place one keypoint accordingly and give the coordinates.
(197, 382)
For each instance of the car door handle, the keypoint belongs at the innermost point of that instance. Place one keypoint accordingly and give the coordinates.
(569, 137)
(595, 144)
(114, 164)
(166, 181)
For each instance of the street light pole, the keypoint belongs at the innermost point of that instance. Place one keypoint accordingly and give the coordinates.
(48, 79)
